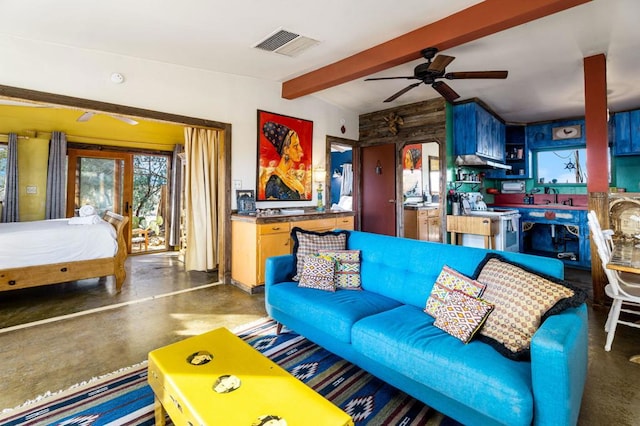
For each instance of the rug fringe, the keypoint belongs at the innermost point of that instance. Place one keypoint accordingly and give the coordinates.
(92, 381)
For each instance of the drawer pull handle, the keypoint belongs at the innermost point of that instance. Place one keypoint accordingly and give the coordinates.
(275, 228)
(63, 269)
(12, 282)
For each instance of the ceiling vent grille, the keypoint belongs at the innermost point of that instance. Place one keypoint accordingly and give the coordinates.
(286, 43)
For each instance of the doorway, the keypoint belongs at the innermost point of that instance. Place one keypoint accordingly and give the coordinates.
(378, 174)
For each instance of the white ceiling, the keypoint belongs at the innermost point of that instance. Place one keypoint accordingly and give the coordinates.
(544, 58)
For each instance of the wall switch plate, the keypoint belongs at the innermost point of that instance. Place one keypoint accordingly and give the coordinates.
(237, 184)
(32, 189)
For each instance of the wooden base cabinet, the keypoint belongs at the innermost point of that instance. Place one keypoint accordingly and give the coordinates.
(253, 241)
(422, 224)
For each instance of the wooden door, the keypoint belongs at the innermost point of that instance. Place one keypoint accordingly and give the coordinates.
(101, 179)
(379, 189)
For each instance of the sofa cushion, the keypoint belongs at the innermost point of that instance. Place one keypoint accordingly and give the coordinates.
(462, 315)
(404, 339)
(310, 242)
(332, 312)
(347, 275)
(318, 272)
(522, 299)
(448, 280)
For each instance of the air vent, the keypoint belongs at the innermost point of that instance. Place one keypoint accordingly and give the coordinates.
(286, 43)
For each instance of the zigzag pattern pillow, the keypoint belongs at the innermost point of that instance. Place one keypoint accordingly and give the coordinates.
(449, 280)
(347, 274)
(462, 315)
(318, 272)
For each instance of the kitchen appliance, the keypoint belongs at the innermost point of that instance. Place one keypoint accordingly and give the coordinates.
(513, 187)
(508, 236)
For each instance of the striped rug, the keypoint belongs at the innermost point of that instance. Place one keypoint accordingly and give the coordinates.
(124, 398)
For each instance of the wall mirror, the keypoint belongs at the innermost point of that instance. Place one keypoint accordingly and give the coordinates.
(340, 171)
(421, 177)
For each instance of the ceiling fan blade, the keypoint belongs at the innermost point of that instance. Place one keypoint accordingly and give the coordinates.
(387, 78)
(124, 119)
(402, 92)
(440, 63)
(86, 116)
(475, 74)
(445, 90)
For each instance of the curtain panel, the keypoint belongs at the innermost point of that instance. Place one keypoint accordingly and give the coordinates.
(10, 209)
(201, 198)
(176, 195)
(55, 204)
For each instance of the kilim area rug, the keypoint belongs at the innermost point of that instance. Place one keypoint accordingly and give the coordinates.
(124, 398)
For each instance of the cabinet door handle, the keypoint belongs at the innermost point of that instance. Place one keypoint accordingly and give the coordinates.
(275, 228)
(392, 201)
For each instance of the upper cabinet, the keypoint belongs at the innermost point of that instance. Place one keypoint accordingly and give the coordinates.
(627, 133)
(557, 134)
(517, 155)
(478, 132)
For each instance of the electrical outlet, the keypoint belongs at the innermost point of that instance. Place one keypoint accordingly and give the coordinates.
(32, 189)
(237, 184)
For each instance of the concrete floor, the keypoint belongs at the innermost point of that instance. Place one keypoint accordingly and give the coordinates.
(49, 356)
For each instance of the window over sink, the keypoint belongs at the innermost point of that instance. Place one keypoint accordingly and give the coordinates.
(563, 166)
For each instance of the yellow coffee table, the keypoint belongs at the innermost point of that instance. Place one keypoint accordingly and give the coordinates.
(218, 379)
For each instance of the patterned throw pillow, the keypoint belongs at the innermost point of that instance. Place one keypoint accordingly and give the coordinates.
(522, 299)
(318, 272)
(462, 315)
(347, 269)
(309, 242)
(449, 280)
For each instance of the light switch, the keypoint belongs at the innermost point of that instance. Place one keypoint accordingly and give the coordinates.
(32, 189)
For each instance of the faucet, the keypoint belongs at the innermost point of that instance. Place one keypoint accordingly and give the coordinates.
(548, 190)
(568, 202)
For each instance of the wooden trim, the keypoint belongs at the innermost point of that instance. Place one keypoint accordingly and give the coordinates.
(599, 203)
(483, 19)
(596, 126)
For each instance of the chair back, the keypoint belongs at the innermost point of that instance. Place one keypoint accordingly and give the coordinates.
(604, 248)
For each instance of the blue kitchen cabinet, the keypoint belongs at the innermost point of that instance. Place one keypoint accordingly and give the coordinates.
(562, 234)
(477, 132)
(626, 140)
(556, 134)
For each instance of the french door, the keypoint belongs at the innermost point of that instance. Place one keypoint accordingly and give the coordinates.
(101, 179)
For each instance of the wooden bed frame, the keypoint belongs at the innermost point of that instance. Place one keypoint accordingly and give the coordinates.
(34, 276)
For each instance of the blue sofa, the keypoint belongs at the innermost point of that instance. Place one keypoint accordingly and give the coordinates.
(384, 330)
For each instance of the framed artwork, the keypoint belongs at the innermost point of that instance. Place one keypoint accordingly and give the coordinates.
(412, 156)
(246, 201)
(284, 158)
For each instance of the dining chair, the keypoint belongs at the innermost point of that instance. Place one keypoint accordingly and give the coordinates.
(624, 291)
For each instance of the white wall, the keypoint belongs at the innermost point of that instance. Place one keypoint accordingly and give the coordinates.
(172, 89)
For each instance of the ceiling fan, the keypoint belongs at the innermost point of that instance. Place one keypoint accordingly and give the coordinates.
(431, 71)
(88, 114)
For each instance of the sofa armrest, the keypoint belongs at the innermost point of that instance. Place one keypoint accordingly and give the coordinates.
(559, 351)
(278, 269)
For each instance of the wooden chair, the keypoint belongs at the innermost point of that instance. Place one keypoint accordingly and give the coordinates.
(623, 289)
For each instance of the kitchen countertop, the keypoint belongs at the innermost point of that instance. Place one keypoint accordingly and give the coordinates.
(540, 206)
(425, 206)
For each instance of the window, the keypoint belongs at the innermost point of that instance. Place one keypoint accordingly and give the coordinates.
(562, 166)
(3, 169)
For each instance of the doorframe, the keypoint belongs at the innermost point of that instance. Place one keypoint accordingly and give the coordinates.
(224, 153)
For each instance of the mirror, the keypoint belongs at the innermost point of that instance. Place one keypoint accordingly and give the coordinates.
(340, 172)
(421, 173)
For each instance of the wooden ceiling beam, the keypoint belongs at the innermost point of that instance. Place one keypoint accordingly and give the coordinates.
(483, 19)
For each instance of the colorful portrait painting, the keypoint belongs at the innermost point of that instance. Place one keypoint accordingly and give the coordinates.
(412, 156)
(284, 158)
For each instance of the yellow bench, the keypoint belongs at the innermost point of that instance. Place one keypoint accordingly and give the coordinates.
(218, 379)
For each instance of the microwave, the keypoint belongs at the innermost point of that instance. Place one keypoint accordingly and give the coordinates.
(512, 187)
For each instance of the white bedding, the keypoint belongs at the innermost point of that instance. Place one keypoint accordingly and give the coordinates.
(53, 241)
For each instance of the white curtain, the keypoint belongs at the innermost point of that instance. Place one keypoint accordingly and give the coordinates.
(10, 209)
(56, 177)
(347, 179)
(201, 198)
(176, 194)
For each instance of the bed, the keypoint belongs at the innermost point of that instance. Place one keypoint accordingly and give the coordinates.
(46, 252)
